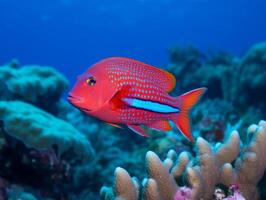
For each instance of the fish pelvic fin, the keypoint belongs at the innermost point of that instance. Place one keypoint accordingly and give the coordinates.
(139, 130)
(114, 125)
(186, 102)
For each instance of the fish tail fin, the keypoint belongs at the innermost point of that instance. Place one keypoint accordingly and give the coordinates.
(185, 102)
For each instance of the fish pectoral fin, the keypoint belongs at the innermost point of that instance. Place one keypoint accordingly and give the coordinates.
(114, 125)
(160, 126)
(116, 101)
(139, 130)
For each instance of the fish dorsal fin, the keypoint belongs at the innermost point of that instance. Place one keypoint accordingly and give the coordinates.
(139, 69)
(160, 126)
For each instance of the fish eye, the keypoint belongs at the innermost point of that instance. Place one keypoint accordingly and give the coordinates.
(91, 81)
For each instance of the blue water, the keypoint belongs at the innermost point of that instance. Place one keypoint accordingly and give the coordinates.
(72, 34)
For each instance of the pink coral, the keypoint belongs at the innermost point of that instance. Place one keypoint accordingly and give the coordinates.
(236, 193)
(183, 193)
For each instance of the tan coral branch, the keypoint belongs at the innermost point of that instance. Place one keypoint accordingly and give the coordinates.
(212, 166)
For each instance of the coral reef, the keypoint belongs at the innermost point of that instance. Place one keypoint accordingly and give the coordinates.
(38, 150)
(226, 164)
(241, 81)
(45, 142)
(237, 83)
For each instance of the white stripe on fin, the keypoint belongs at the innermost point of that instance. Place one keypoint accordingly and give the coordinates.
(138, 129)
(150, 105)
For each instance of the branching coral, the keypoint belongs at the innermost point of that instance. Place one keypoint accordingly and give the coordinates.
(226, 164)
(39, 129)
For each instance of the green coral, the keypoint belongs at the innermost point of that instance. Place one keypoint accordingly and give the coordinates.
(36, 84)
(41, 130)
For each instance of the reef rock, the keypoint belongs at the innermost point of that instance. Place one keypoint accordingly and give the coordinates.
(38, 85)
(41, 130)
(238, 80)
(251, 77)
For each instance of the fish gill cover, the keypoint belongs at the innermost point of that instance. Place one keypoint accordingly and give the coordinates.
(51, 150)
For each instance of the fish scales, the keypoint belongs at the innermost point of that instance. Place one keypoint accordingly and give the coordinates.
(140, 87)
(136, 70)
(124, 74)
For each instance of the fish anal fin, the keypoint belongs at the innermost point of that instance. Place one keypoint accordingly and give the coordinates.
(160, 126)
(138, 129)
(114, 125)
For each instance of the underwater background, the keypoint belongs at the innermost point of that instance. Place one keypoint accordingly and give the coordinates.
(51, 150)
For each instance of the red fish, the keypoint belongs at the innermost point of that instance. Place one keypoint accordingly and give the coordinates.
(123, 91)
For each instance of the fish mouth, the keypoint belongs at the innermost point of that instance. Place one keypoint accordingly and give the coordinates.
(76, 102)
(72, 99)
